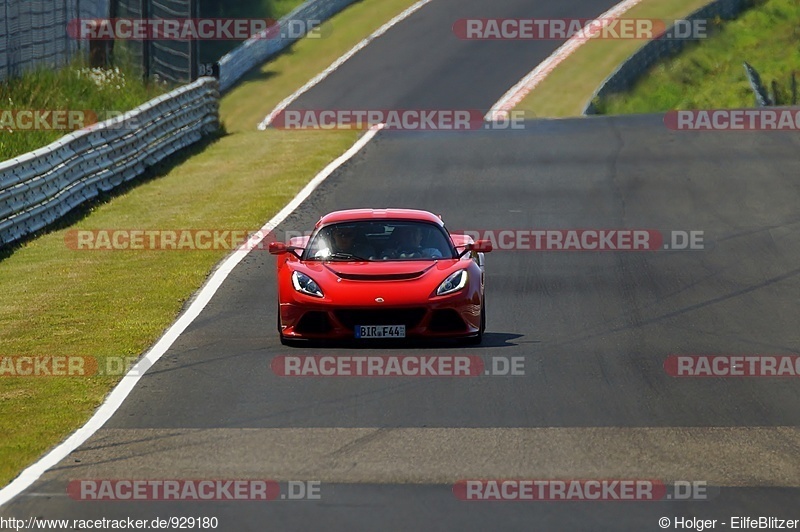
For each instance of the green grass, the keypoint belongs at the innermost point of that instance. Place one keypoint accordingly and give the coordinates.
(711, 75)
(567, 89)
(115, 303)
(76, 88)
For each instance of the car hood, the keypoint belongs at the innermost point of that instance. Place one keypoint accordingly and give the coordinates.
(397, 282)
(380, 271)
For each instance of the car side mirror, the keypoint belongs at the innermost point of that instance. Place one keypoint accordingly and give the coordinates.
(279, 248)
(482, 246)
(479, 246)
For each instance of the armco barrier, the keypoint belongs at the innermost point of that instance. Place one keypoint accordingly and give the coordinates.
(258, 49)
(41, 186)
(637, 64)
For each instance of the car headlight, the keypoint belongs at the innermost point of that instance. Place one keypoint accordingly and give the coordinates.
(305, 284)
(454, 282)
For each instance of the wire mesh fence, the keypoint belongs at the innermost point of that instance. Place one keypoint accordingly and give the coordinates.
(171, 60)
(34, 32)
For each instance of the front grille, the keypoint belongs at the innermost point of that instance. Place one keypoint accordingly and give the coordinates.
(380, 277)
(313, 322)
(410, 317)
(446, 320)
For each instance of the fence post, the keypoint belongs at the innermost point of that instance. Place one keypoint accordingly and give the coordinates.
(146, 43)
(8, 43)
(78, 16)
(194, 44)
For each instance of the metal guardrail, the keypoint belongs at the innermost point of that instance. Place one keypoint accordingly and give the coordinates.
(41, 186)
(637, 64)
(256, 50)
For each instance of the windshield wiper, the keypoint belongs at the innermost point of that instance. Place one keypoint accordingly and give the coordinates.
(345, 256)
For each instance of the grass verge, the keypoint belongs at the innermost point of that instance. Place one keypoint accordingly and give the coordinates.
(710, 75)
(116, 303)
(76, 88)
(567, 89)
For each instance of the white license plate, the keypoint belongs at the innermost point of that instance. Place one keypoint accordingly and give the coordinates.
(380, 331)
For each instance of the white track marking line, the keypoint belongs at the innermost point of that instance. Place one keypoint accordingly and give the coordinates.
(125, 386)
(339, 62)
(518, 92)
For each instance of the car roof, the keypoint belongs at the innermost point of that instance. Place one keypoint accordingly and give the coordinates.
(352, 215)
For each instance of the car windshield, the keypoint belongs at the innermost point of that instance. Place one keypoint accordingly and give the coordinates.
(386, 240)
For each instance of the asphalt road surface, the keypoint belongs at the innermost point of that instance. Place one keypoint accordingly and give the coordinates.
(593, 330)
(422, 64)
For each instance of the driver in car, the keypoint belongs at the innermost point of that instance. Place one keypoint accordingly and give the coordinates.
(410, 245)
(345, 241)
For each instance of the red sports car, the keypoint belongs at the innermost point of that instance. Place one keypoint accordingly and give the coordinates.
(380, 273)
